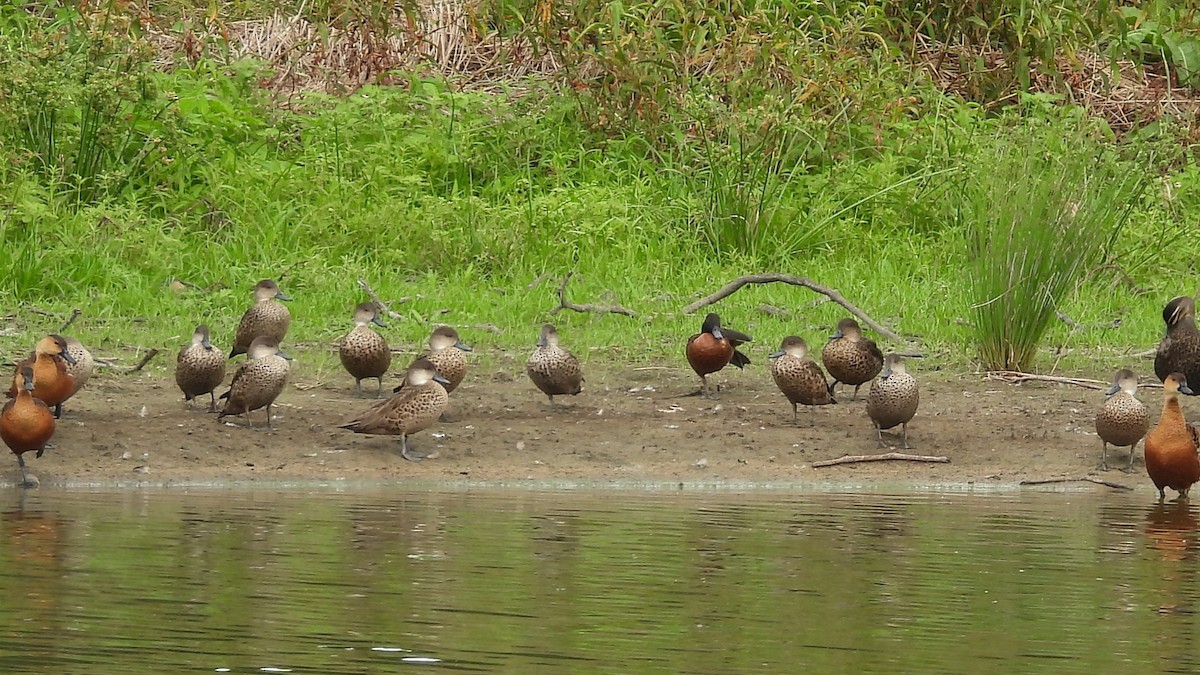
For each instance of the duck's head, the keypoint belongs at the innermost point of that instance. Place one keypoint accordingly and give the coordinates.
(1125, 380)
(367, 312)
(847, 328)
(445, 337)
(712, 325)
(1175, 384)
(202, 337)
(1180, 310)
(263, 346)
(792, 346)
(893, 364)
(267, 290)
(55, 345)
(548, 336)
(422, 371)
(27, 376)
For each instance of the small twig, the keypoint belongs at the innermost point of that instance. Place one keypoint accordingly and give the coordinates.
(1075, 325)
(1083, 479)
(563, 303)
(1017, 377)
(362, 283)
(74, 315)
(732, 287)
(900, 456)
(145, 359)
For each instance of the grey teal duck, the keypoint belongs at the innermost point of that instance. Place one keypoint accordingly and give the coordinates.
(52, 384)
(257, 382)
(799, 377)
(26, 424)
(1124, 420)
(267, 317)
(1170, 448)
(448, 355)
(713, 348)
(553, 369)
(200, 368)
(419, 404)
(365, 353)
(850, 357)
(893, 398)
(1179, 350)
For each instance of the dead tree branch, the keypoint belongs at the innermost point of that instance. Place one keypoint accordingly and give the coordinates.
(1080, 479)
(898, 456)
(383, 306)
(106, 363)
(775, 277)
(1017, 377)
(563, 303)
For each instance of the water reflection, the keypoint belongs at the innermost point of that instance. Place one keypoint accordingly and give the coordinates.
(345, 582)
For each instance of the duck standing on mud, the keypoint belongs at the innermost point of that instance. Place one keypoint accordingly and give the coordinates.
(26, 423)
(1170, 449)
(200, 368)
(893, 398)
(52, 384)
(364, 352)
(713, 348)
(448, 354)
(267, 317)
(850, 357)
(420, 403)
(799, 377)
(553, 370)
(1179, 351)
(1124, 420)
(257, 382)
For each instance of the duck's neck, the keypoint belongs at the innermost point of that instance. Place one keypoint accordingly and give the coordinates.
(1171, 407)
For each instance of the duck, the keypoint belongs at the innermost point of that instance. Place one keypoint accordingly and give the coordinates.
(267, 317)
(893, 398)
(84, 364)
(200, 368)
(364, 352)
(447, 353)
(51, 381)
(553, 369)
(26, 423)
(850, 357)
(1170, 449)
(1124, 420)
(420, 403)
(1179, 350)
(257, 382)
(799, 378)
(713, 348)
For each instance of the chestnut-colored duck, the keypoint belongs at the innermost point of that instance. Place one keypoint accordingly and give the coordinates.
(713, 348)
(1124, 420)
(26, 424)
(1179, 351)
(850, 357)
(267, 317)
(799, 377)
(1171, 458)
(52, 384)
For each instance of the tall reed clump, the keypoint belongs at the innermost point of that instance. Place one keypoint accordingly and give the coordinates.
(1041, 207)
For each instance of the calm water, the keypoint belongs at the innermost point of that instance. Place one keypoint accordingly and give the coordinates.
(515, 581)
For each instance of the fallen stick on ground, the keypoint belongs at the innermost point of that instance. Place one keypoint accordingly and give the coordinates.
(1080, 479)
(74, 315)
(899, 456)
(563, 303)
(1017, 377)
(383, 306)
(733, 286)
(108, 363)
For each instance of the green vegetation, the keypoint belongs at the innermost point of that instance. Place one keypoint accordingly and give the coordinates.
(672, 149)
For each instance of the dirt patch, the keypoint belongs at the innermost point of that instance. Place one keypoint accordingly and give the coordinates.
(629, 425)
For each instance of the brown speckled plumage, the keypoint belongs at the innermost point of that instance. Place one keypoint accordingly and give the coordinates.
(893, 398)
(267, 317)
(52, 384)
(257, 382)
(448, 354)
(1124, 420)
(84, 364)
(1179, 350)
(364, 352)
(850, 357)
(1170, 449)
(799, 377)
(200, 368)
(421, 400)
(553, 369)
